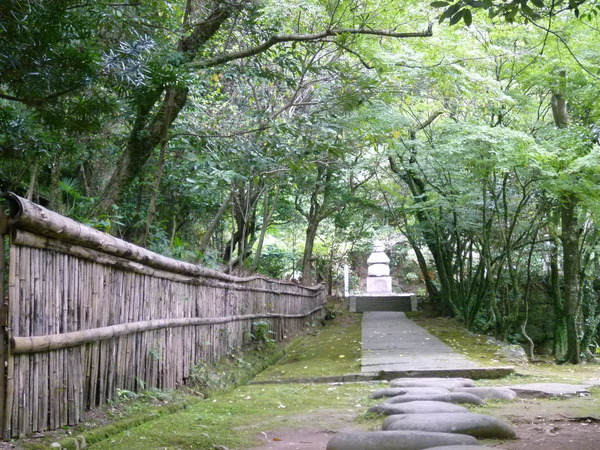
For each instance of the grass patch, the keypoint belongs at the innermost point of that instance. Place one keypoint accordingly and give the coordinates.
(238, 419)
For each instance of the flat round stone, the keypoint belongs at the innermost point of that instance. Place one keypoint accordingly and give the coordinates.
(489, 393)
(476, 425)
(463, 447)
(396, 440)
(417, 407)
(393, 392)
(450, 397)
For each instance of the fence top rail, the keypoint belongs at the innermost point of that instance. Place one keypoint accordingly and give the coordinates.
(26, 215)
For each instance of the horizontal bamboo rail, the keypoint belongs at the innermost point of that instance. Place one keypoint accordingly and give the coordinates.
(37, 344)
(88, 314)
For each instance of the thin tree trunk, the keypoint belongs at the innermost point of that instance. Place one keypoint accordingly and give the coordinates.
(212, 226)
(151, 213)
(56, 203)
(267, 217)
(559, 344)
(307, 268)
(33, 180)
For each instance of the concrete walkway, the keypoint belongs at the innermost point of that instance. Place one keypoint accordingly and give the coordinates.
(393, 343)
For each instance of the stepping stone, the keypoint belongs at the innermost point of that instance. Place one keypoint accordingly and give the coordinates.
(450, 397)
(489, 393)
(392, 392)
(417, 407)
(541, 390)
(396, 440)
(447, 383)
(477, 425)
(463, 447)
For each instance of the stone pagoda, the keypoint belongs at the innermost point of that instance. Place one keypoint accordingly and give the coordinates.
(379, 295)
(379, 281)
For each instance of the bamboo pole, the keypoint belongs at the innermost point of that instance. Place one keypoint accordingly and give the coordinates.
(4, 348)
(36, 344)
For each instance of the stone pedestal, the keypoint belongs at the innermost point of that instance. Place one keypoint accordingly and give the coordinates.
(379, 285)
(402, 302)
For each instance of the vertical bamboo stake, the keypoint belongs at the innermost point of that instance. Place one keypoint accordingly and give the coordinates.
(4, 349)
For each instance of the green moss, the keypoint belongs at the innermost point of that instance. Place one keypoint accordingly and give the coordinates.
(332, 350)
(477, 348)
(236, 419)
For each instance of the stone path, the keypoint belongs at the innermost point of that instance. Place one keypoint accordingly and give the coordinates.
(391, 342)
(421, 412)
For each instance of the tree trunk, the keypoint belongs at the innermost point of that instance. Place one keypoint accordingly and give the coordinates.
(153, 196)
(146, 134)
(33, 180)
(267, 217)
(150, 128)
(570, 241)
(571, 257)
(212, 226)
(307, 267)
(244, 218)
(560, 320)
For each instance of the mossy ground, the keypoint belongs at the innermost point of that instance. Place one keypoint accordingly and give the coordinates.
(478, 348)
(250, 415)
(331, 350)
(237, 417)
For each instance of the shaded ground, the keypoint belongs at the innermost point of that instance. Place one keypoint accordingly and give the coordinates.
(541, 424)
(304, 416)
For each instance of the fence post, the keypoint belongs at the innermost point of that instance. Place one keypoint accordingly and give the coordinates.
(3, 314)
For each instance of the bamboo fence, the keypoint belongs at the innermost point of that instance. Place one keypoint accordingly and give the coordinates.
(86, 314)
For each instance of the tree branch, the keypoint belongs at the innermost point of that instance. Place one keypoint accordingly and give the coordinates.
(277, 39)
(562, 40)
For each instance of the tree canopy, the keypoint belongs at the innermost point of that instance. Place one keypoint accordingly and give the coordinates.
(281, 137)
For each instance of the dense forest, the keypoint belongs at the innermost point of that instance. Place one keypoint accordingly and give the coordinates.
(281, 136)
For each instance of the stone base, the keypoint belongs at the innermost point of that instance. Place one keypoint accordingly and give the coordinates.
(393, 302)
(379, 285)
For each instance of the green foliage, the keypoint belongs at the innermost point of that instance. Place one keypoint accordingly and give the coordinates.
(261, 333)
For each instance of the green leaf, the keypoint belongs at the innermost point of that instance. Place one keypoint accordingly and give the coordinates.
(467, 17)
(538, 3)
(456, 17)
(449, 12)
(439, 4)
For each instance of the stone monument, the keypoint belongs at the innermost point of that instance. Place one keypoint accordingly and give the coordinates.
(379, 281)
(379, 295)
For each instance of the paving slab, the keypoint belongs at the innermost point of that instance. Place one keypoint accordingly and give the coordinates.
(541, 390)
(444, 382)
(392, 342)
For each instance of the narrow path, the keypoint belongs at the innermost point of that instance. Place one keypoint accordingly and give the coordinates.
(392, 342)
